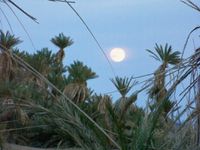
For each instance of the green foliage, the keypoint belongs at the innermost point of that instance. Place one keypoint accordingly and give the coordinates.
(165, 54)
(43, 117)
(44, 62)
(123, 85)
(7, 40)
(70, 123)
(7, 65)
(80, 73)
(62, 41)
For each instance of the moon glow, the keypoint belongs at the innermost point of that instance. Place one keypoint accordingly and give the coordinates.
(117, 54)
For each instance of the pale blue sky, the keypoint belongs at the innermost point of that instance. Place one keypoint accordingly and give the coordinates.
(134, 25)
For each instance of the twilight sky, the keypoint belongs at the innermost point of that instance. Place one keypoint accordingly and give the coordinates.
(135, 25)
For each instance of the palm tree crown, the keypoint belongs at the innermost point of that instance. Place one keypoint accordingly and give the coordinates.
(62, 42)
(165, 54)
(77, 89)
(124, 103)
(7, 40)
(123, 85)
(80, 73)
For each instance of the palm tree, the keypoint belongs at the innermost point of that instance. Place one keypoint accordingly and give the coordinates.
(166, 56)
(124, 85)
(79, 74)
(42, 61)
(62, 42)
(7, 42)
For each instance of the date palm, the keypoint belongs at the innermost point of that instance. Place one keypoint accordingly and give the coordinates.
(7, 42)
(79, 74)
(124, 85)
(167, 57)
(62, 42)
(42, 61)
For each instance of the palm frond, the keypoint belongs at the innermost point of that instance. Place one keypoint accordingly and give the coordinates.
(23, 11)
(191, 4)
(123, 85)
(165, 54)
(7, 40)
(153, 55)
(80, 73)
(62, 41)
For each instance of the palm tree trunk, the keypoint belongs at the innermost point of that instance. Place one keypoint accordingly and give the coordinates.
(60, 55)
(160, 82)
(6, 66)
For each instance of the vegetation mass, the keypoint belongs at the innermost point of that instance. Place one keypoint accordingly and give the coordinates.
(46, 104)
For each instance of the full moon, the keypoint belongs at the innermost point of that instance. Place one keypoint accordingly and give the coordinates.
(117, 54)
